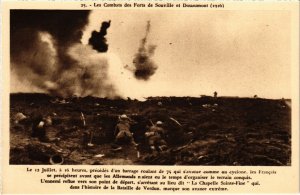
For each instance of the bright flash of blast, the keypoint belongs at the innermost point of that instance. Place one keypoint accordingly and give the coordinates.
(47, 55)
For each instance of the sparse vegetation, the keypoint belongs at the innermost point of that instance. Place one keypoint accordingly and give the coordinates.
(213, 131)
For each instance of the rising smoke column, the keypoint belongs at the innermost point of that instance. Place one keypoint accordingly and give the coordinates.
(145, 67)
(46, 51)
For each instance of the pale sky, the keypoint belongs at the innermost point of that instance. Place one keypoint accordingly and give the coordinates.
(236, 53)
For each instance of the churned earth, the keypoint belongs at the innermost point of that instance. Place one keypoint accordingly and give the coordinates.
(210, 131)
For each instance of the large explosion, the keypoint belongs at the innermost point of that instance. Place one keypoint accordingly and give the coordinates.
(47, 54)
(144, 65)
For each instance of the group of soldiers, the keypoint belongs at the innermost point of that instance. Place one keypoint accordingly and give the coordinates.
(154, 135)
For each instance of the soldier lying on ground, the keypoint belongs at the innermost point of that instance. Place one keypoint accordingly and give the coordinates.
(155, 136)
(122, 132)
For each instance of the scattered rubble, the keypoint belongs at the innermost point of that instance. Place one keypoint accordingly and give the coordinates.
(19, 117)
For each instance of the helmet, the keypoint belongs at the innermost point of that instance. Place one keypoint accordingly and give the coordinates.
(123, 116)
(159, 123)
(41, 124)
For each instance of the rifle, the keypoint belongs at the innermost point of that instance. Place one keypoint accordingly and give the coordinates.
(82, 119)
(151, 122)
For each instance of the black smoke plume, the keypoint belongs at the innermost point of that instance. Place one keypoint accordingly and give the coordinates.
(47, 53)
(98, 40)
(145, 67)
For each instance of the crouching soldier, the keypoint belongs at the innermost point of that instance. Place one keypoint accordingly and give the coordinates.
(122, 132)
(155, 136)
(39, 127)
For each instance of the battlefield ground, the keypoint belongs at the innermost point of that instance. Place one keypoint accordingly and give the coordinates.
(210, 131)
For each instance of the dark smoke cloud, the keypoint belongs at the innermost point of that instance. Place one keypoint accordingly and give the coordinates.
(98, 40)
(46, 51)
(145, 67)
(65, 26)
